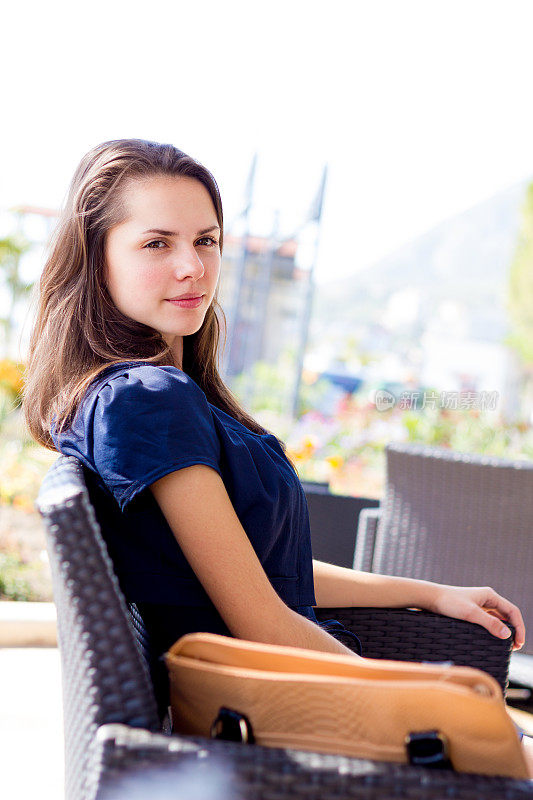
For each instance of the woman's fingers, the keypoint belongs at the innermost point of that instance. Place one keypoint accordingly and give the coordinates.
(496, 613)
(485, 607)
(510, 612)
(489, 621)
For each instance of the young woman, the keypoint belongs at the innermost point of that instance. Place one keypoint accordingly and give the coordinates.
(204, 515)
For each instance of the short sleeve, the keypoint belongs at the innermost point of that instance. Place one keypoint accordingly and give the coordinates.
(147, 422)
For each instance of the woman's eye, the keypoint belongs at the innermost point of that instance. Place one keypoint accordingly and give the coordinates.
(211, 242)
(157, 241)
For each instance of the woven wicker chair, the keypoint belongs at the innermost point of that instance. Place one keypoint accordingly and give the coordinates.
(454, 518)
(115, 743)
(333, 521)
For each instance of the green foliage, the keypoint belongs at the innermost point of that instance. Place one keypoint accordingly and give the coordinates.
(12, 248)
(268, 387)
(347, 449)
(520, 293)
(13, 582)
(469, 432)
(6, 406)
(263, 387)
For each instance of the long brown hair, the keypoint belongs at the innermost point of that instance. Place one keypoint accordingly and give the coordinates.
(78, 331)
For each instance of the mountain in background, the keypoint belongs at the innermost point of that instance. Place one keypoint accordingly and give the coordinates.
(453, 279)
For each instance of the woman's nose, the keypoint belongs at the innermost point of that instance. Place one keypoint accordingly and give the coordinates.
(188, 264)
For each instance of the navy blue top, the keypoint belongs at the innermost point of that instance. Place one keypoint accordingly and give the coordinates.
(138, 422)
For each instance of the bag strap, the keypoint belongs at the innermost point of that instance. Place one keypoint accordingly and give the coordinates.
(424, 748)
(428, 749)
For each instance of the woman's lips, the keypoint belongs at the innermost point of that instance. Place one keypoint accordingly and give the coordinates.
(192, 302)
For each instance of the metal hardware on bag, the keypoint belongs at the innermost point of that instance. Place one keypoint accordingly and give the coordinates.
(232, 726)
(483, 690)
(428, 749)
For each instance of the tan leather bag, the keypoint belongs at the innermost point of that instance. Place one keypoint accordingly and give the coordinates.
(305, 699)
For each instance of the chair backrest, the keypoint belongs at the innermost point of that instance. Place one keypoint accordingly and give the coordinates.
(333, 520)
(458, 518)
(104, 675)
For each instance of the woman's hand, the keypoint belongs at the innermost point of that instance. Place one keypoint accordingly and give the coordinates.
(339, 587)
(482, 605)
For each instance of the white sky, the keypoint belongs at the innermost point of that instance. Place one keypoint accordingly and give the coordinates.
(422, 108)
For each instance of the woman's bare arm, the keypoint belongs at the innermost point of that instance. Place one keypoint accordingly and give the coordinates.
(199, 511)
(339, 587)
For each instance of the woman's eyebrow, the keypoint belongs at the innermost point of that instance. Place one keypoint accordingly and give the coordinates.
(161, 232)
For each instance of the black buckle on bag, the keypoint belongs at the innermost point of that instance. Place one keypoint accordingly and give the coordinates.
(428, 749)
(232, 726)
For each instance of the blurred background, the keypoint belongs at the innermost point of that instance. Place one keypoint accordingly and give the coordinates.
(375, 162)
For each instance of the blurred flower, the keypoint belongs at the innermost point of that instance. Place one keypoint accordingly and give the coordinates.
(336, 462)
(347, 450)
(12, 377)
(309, 443)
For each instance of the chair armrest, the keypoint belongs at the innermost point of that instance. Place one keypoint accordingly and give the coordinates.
(136, 763)
(365, 541)
(403, 634)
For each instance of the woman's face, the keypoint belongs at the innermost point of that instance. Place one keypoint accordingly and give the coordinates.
(167, 247)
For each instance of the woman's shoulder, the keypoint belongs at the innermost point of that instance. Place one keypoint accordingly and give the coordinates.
(137, 395)
(141, 378)
(139, 370)
(139, 422)
(133, 393)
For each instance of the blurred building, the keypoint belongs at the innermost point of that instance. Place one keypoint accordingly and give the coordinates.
(262, 291)
(264, 313)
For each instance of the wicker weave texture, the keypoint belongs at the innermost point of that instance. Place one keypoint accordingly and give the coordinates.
(408, 635)
(184, 767)
(460, 519)
(105, 680)
(104, 677)
(365, 542)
